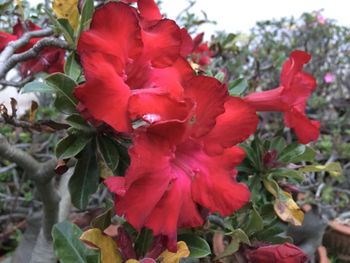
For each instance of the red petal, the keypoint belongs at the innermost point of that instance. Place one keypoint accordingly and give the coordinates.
(175, 209)
(162, 42)
(293, 65)
(172, 78)
(269, 100)
(306, 130)
(217, 189)
(235, 125)
(119, 38)
(209, 95)
(155, 106)
(145, 181)
(149, 9)
(299, 90)
(5, 38)
(187, 43)
(104, 94)
(115, 184)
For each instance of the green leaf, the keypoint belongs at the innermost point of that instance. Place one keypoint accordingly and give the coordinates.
(255, 222)
(308, 156)
(251, 156)
(60, 28)
(37, 86)
(334, 169)
(67, 27)
(220, 76)
(72, 68)
(291, 152)
(143, 242)
(238, 237)
(238, 86)
(68, 247)
(103, 220)
(71, 145)
(199, 248)
(277, 143)
(77, 122)
(86, 15)
(288, 174)
(64, 86)
(109, 150)
(84, 181)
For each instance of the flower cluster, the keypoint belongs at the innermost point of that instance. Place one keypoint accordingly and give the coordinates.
(50, 59)
(184, 146)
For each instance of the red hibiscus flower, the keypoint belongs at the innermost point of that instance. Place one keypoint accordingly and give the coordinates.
(184, 159)
(136, 49)
(291, 97)
(50, 59)
(284, 253)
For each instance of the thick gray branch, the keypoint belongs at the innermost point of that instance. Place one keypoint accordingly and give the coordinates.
(43, 176)
(31, 53)
(39, 172)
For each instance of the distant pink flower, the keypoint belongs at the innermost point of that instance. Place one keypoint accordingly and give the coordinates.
(329, 77)
(321, 19)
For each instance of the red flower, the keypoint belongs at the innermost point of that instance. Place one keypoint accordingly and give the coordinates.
(291, 97)
(136, 49)
(50, 59)
(284, 253)
(201, 53)
(184, 159)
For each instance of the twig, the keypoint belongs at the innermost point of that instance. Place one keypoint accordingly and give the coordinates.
(17, 84)
(11, 48)
(7, 168)
(11, 61)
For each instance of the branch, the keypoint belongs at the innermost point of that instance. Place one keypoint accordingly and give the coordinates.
(6, 65)
(11, 48)
(16, 84)
(43, 176)
(38, 172)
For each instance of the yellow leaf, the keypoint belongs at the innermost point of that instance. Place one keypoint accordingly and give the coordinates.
(67, 9)
(170, 257)
(334, 169)
(288, 210)
(96, 238)
(132, 261)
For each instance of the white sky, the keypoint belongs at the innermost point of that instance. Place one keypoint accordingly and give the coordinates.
(234, 15)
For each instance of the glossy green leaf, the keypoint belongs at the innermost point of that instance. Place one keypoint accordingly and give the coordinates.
(37, 86)
(255, 222)
(68, 247)
(109, 150)
(199, 248)
(86, 15)
(277, 143)
(71, 145)
(288, 174)
(72, 68)
(64, 87)
(143, 242)
(291, 152)
(238, 87)
(85, 179)
(78, 122)
(308, 156)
